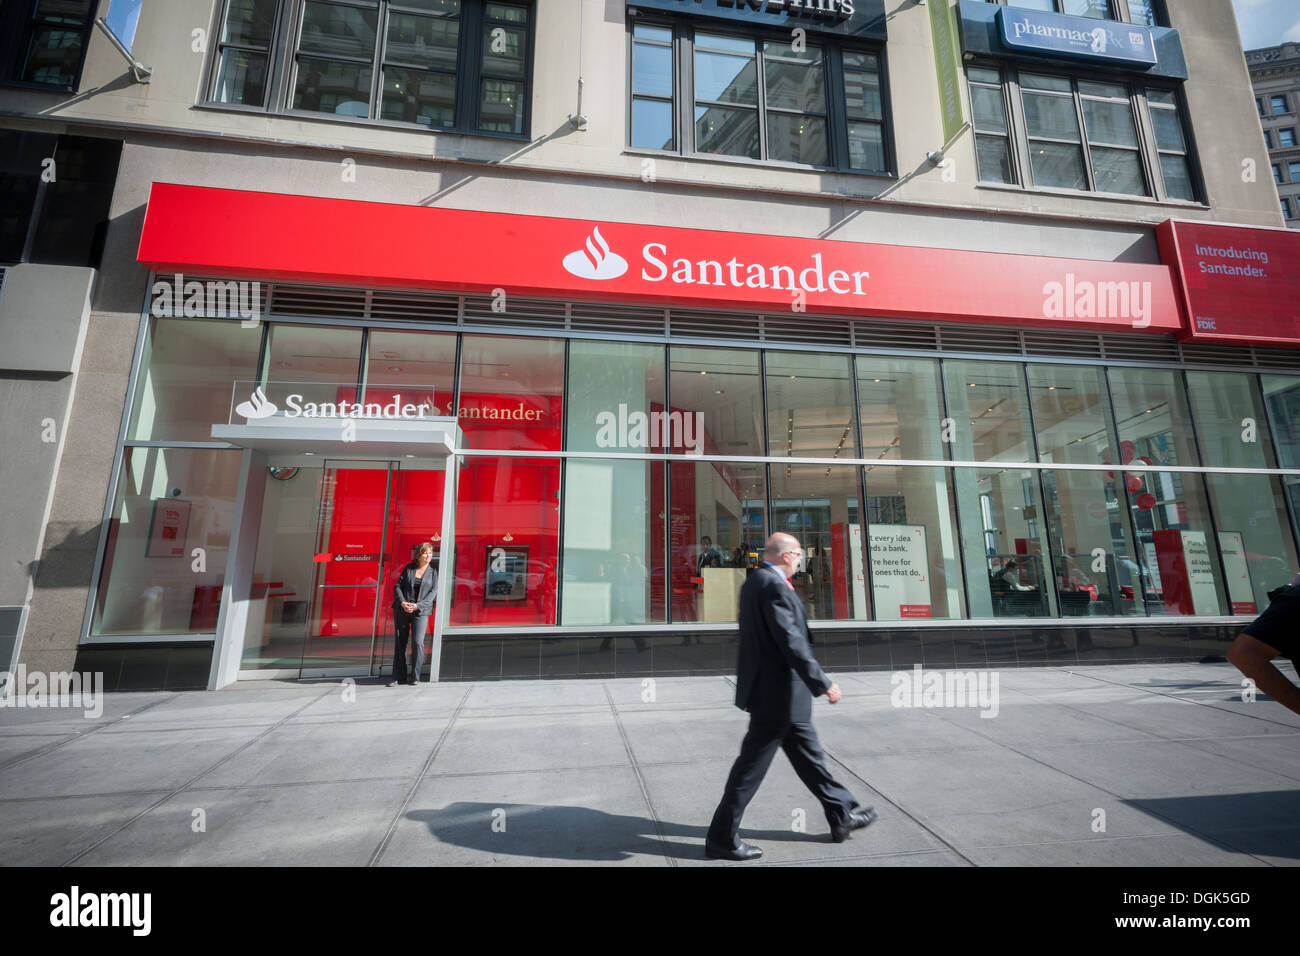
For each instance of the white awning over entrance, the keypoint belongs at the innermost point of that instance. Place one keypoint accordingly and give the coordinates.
(421, 443)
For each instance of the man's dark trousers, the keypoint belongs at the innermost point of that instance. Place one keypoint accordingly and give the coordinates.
(800, 743)
(776, 679)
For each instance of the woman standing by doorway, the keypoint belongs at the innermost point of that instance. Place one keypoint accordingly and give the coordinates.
(413, 598)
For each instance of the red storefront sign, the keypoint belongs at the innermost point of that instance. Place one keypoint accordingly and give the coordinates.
(1239, 284)
(252, 235)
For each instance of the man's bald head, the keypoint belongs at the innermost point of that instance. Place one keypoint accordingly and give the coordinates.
(778, 544)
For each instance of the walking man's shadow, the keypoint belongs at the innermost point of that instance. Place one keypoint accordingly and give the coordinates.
(579, 834)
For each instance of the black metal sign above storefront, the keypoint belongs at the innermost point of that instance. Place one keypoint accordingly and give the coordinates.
(857, 18)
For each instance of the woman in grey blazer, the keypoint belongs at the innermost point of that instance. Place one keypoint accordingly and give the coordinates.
(413, 598)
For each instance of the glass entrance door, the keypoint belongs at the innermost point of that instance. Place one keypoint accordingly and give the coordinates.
(353, 558)
(333, 540)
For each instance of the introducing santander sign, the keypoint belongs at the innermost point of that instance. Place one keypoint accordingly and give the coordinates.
(303, 238)
(1241, 284)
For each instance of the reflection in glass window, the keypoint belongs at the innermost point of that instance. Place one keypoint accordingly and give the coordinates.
(865, 111)
(819, 506)
(1155, 426)
(652, 86)
(900, 408)
(614, 538)
(1282, 396)
(809, 405)
(1007, 571)
(1230, 420)
(915, 571)
(507, 542)
(992, 133)
(1258, 553)
(1176, 543)
(716, 529)
(1096, 568)
(990, 411)
(417, 366)
(244, 52)
(721, 389)
(169, 501)
(1055, 147)
(511, 392)
(616, 397)
(726, 96)
(1072, 414)
(319, 364)
(187, 377)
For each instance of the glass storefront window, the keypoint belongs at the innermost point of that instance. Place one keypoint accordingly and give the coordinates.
(1258, 553)
(169, 502)
(186, 376)
(819, 506)
(716, 532)
(721, 389)
(1176, 543)
(614, 541)
(990, 411)
(900, 407)
(1002, 531)
(417, 366)
(913, 543)
(1230, 421)
(511, 392)
(616, 398)
(809, 405)
(1282, 397)
(322, 364)
(1155, 425)
(1072, 415)
(507, 542)
(1095, 566)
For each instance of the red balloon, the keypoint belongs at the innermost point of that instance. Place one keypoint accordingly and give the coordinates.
(1127, 450)
(1134, 483)
(1146, 502)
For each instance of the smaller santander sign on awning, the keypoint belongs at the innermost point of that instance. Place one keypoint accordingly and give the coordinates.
(255, 235)
(1240, 284)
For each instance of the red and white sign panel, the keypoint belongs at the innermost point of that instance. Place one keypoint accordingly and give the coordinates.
(1239, 284)
(252, 235)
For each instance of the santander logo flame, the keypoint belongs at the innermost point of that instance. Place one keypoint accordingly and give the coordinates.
(257, 406)
(596, 261)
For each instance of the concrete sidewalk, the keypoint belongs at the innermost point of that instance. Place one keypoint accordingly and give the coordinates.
(588, 772)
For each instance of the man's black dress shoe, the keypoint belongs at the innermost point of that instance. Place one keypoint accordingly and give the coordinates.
(856, 821)
(741, 851)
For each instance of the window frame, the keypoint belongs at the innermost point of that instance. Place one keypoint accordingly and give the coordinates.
(1272, 104)
(1148, 148)
(684, 31)
(20, 23)
(1294, 142)
(284, 52)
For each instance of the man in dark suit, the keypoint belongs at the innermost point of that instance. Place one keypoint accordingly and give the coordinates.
(776, 680)
(413, 597)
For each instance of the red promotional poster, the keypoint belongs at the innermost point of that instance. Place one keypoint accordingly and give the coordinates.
(1239, 284)
(255, 235)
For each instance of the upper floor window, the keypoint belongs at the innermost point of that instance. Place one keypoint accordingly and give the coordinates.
(1294, 169)
(1277, 173)
(1268, 140)
(1277, 103)
(441, 64)
(1063, 132)
(1259, 105)
(1286, 209)
(1145, 12)
(807, 103)
(1286, 137)
(45, 41)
